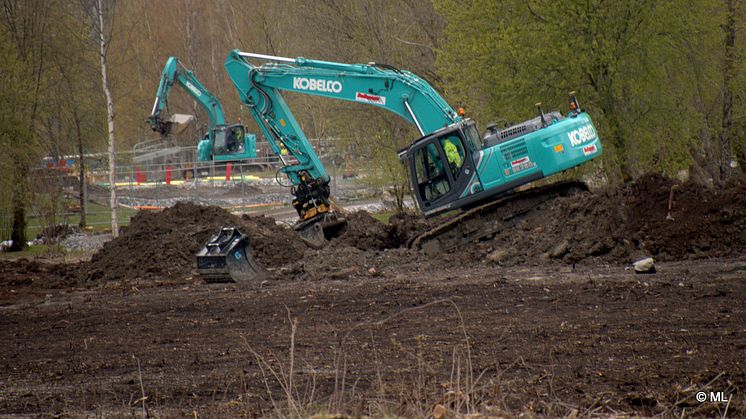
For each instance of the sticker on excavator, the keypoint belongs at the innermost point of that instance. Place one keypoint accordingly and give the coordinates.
(226, 257)
(589, 149)
(519, 165)
(369, 98)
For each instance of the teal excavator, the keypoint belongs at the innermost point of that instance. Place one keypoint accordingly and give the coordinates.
(222, 142)
(450, 166)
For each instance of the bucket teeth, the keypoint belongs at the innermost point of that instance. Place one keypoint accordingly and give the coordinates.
(226, 257)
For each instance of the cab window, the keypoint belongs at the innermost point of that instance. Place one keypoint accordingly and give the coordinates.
(432, 179)
(235, 139)
(472, 137)
(220, 142)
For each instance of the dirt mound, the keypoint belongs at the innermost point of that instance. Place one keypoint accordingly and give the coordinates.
(272, 245)
(157, 245)
(625, 223)
(616, 225)
(161, 245)
(702, 222)
(364, 232)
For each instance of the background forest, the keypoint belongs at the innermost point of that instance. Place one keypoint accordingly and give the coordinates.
(663, 80)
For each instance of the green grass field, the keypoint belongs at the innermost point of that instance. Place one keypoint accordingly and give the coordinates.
(98, 217)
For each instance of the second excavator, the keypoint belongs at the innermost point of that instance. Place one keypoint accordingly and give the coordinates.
(222, 142)
(450, 166)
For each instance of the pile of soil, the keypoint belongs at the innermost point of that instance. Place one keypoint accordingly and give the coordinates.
(630, 222)
(616, 225)
(161, 245)
(364, 232)
(272, 245)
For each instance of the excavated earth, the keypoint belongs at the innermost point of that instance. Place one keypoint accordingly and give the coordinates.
(543, 317)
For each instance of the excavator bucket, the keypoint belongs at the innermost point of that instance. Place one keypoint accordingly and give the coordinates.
(226, 257)
(317, 231)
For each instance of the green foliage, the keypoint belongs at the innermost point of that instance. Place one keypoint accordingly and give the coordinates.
(637, 65)
(17, 140)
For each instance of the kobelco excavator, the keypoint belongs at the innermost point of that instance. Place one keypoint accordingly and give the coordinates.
(450, 166)
(222, 142)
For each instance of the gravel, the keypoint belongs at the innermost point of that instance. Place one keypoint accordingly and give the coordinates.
(86, 242)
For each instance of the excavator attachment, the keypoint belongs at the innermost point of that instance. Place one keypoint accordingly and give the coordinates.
(226, 257)
(317, 231)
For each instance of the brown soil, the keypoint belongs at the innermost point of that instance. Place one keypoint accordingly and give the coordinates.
(624, 224)
(615, 225)
(161, 245)
(554, 325)
(542, 340)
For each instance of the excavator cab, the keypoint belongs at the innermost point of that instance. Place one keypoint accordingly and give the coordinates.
(441, 166)
(229, 139)
(231, 142)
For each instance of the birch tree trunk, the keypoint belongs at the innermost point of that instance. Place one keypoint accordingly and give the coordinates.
(110, 111)
(727, 159)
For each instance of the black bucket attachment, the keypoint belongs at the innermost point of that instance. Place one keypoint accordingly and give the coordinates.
(317, 231)
(227, 258)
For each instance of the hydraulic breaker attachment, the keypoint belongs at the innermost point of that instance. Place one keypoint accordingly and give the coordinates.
(317, 231)
(226, 257)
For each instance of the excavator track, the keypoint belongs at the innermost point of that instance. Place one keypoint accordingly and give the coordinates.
(488, 219)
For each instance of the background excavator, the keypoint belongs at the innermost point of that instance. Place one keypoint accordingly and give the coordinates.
(450, 166)
(222, 142)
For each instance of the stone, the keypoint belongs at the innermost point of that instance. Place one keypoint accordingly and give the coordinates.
(498, 256)
(645, 266)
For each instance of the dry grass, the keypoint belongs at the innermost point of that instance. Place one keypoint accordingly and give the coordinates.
(466, 393)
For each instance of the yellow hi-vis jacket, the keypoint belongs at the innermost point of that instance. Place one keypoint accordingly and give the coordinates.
(452, 153)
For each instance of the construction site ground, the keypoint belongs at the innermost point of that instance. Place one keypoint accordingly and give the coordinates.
(546, 317)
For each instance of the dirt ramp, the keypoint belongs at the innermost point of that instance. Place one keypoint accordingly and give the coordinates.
(621, 224)
(364, 232)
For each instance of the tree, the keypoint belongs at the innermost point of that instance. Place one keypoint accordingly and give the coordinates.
(727, 158)
(24, 26)
(104, 40)
(75, 109)
(626, 60)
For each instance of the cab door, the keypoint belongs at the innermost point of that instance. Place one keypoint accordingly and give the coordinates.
(441, 168)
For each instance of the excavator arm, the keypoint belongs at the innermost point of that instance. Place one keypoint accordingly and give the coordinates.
(259, 87)
(175, 73)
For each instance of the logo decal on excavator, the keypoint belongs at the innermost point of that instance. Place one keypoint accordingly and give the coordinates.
(582, 135)
(194, 89)
(319, 85)
(368, 98)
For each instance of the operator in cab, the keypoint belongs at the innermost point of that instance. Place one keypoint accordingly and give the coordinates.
(454, 155)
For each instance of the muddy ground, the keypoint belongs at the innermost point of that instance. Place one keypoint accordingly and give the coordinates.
(546, 317)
